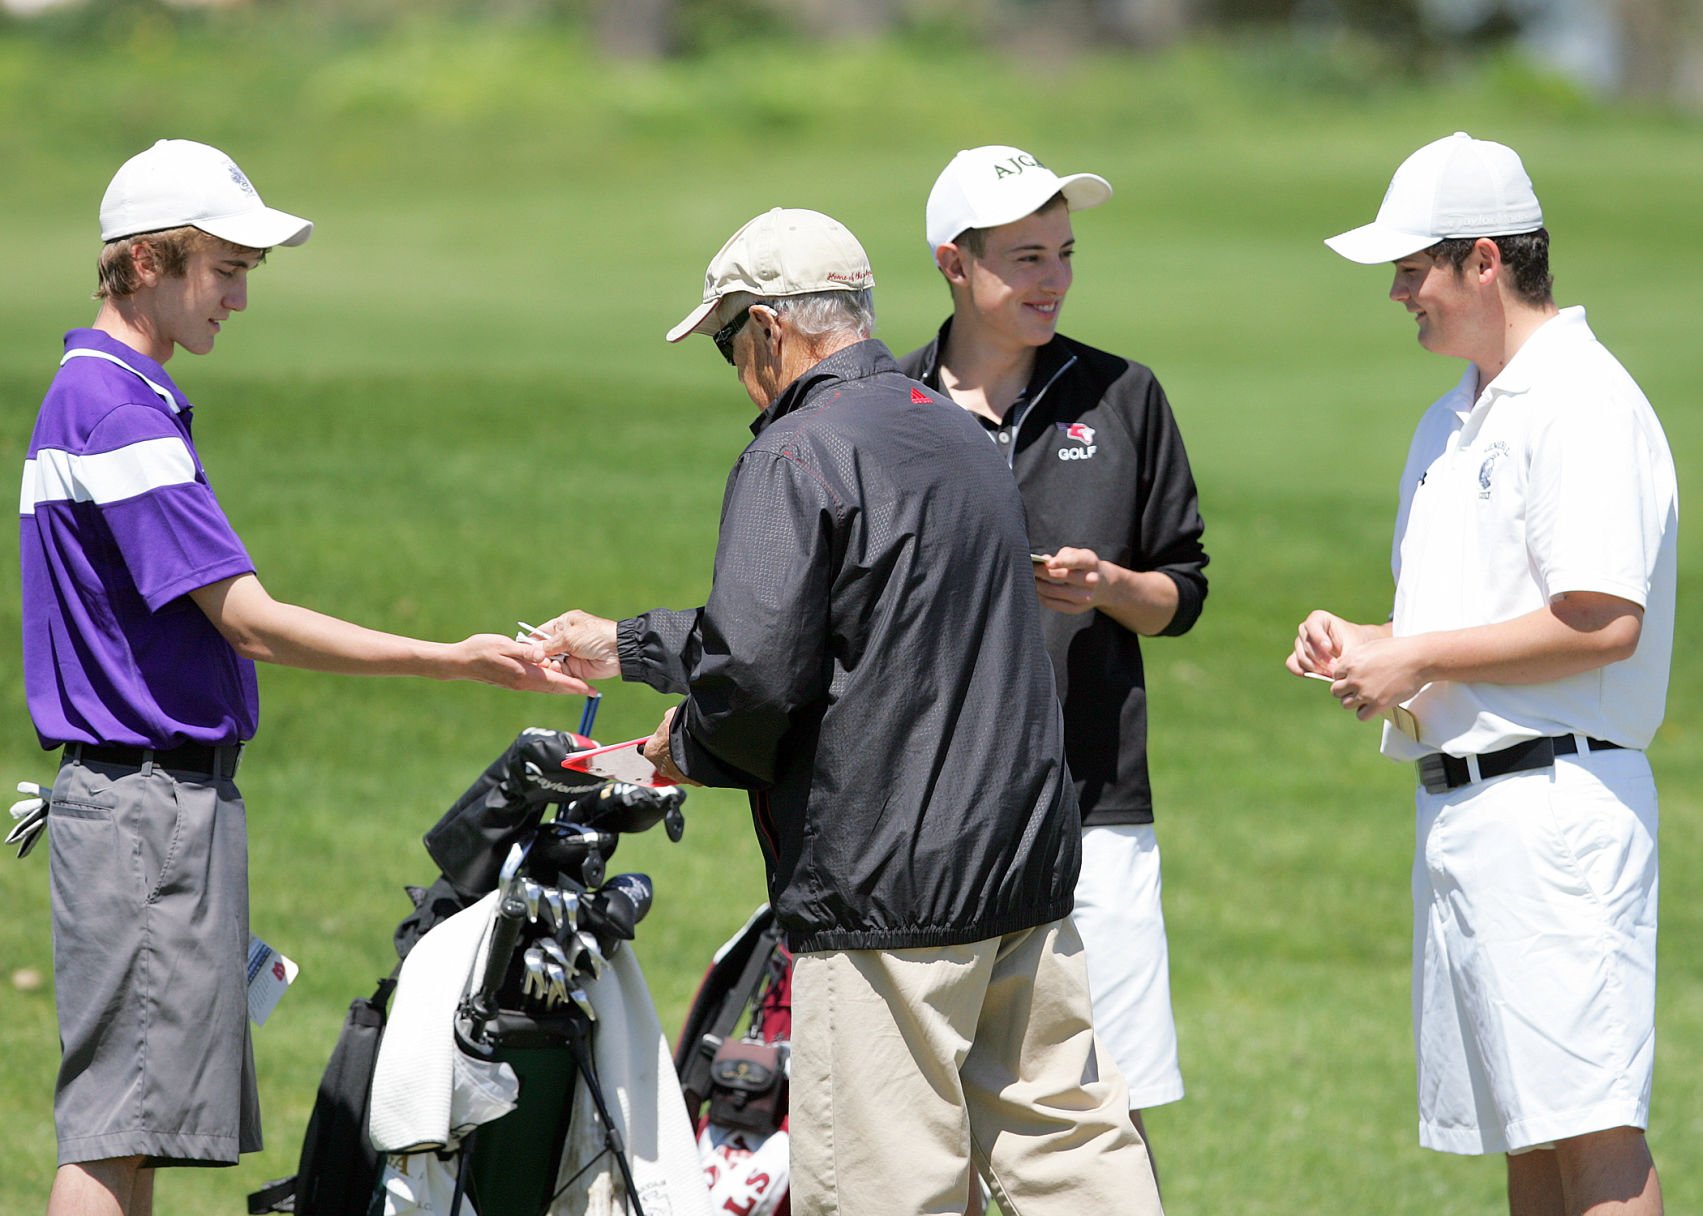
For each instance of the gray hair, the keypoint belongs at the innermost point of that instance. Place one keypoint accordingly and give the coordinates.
(817, 314)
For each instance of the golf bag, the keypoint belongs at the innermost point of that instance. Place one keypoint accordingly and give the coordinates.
(534, 896)
(735, 1083)
(339, 1167)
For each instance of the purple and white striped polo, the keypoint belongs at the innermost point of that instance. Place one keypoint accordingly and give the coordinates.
(117, 523)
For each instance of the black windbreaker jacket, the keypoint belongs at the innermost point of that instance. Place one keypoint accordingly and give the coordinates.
(869, 665)
(1101, 466)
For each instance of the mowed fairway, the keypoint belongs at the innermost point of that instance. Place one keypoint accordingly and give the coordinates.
(453, 408)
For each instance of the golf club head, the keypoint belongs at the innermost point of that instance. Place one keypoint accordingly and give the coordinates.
(558, 979)
(571, 850)
(623, 902)
(623, 808)
(469, 842)
(553, 953)
(534, 984)
(535, 770)
(516, 858)
(591, 954)
(555, 908)
(578, 997)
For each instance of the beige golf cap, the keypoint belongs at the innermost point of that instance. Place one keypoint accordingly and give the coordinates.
(997, 184)
(788, 251)
(1454, 187)
(179, 182)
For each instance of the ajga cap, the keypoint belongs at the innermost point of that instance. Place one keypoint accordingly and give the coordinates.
(179, 182)
(787, 251)
(997, 184)
(1453, 187)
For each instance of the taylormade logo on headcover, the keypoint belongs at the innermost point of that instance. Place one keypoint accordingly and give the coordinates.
(558, 787)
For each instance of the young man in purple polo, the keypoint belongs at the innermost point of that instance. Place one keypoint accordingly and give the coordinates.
(142, 621)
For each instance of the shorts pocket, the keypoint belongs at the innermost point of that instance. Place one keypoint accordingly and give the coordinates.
(159, 839)
(86, 852)
(1609, 843)
(76, 808)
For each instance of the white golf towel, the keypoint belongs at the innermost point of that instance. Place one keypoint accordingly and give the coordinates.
(643, 1093)
(419, 1070)
(414, 1105)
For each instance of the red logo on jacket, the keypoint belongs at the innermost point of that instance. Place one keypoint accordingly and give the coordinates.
(1083, 434)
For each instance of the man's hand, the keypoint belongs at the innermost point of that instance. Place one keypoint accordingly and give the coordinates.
(1376, 673)
(1074, 581)
(491, 658)
(659, 751)
(1369, 670)
(580, 644)
(1070, 581)
(1323, 638)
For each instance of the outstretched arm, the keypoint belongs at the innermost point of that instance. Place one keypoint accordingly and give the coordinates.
(271, 631)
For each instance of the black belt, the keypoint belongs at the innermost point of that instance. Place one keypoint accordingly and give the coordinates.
(184, 758)
(1440, 773)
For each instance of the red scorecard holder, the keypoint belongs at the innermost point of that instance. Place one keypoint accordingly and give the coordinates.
(619, 762)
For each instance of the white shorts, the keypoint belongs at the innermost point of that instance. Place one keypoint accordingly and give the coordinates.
(1534, 955)
(1129, 969)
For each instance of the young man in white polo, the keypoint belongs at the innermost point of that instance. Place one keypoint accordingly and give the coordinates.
(1112, 510)
(142, 621)
(1534, 564)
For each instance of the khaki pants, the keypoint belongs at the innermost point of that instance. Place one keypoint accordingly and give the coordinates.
(909, 1065)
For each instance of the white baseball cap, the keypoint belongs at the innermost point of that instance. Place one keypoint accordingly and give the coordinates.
(179, 182)
(1454, 187)
(997, 184)
(787, 251)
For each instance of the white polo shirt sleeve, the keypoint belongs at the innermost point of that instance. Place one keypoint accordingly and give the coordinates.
(1591, 525)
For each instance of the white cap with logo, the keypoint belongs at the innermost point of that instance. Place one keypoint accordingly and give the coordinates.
(997, 184)
(177, 183)
(787, 251)
(1454, 187)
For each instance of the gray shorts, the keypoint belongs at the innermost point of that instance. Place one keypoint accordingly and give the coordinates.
(150, 936)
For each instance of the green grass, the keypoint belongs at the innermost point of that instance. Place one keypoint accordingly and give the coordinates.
(454, 408)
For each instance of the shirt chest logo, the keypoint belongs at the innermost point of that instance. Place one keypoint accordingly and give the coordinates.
(1487, 471)
(1082, 436)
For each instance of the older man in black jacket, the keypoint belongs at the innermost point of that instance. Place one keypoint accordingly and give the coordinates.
(869, 665)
